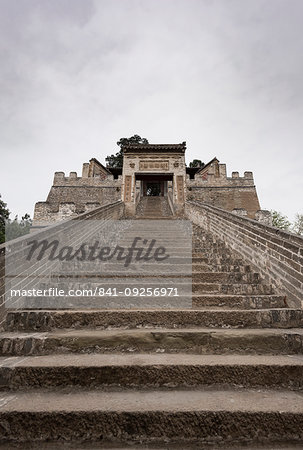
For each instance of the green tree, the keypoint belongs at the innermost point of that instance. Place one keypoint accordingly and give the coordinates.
(135, 139)
(280, 221)
(117, 159)
(298, 224)
(4, 215)
(196, 163)
(16, 228)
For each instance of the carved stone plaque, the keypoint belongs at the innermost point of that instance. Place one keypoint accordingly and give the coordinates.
(128, 188)
(153, 165)
(180, 188)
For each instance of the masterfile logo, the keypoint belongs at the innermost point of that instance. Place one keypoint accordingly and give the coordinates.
(102, 264)
(139, 250)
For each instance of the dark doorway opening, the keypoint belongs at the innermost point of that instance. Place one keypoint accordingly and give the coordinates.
(153, 189)
(154, 184)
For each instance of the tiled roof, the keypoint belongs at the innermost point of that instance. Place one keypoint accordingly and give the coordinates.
(208, 164)
(99, 164)
(155, 147)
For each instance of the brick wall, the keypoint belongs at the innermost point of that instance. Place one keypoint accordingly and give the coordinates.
(70, 196)
(276, 254)
(212, 185)
(227, 198)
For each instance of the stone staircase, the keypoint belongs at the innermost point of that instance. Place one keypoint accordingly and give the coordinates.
(225, 372)
(150, 207)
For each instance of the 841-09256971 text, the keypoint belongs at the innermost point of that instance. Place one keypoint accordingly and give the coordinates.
(99, 292)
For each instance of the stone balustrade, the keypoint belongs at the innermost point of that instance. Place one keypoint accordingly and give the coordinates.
(277, 254)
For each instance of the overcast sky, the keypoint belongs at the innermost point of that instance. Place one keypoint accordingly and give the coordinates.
(226, 76)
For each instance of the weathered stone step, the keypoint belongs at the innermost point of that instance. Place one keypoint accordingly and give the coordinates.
(199, 259)
(196, 301)
(136, 268)
(181, 416)
(130, 289)
(239, 301)
(220, 259)
(173, 247)
(154, 217)
(198, 273)
(246, 289)
(230, 288)
(216, 317)
(103, 302)
(226, 267)
(161, 238)
(151, 370)
(195, 341)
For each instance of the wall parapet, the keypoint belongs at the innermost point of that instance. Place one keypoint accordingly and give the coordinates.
(211, 185)
(277, 254)
(109, 211)
(60, 179)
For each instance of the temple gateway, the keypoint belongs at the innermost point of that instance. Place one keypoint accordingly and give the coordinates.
(149, 170)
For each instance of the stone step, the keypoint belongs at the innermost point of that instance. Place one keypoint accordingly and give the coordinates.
(199, 282)
(227, 267)
(239, 301)
(102, 302)
(183, 416)
(132, 289)
(213, 263)
(155, 229)
(153, 206)
(199, 273)
(169, 242)
(47, 320)
(183, 340)
(151, 370)
(176, 243)
(195, 301)
(115, 292)
(199, 259)
(154, 217)
(246, 289)
(206, 264)
(219, 258)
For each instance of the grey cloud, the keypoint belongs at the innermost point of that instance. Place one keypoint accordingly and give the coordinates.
(79, 74)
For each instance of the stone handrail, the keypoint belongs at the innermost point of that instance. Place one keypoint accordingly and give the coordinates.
(109, 211)
(138, 197)
(170, 202)
(276, 254)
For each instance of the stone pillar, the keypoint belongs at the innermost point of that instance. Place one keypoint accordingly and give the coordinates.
(128, 194)
(85, 169)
